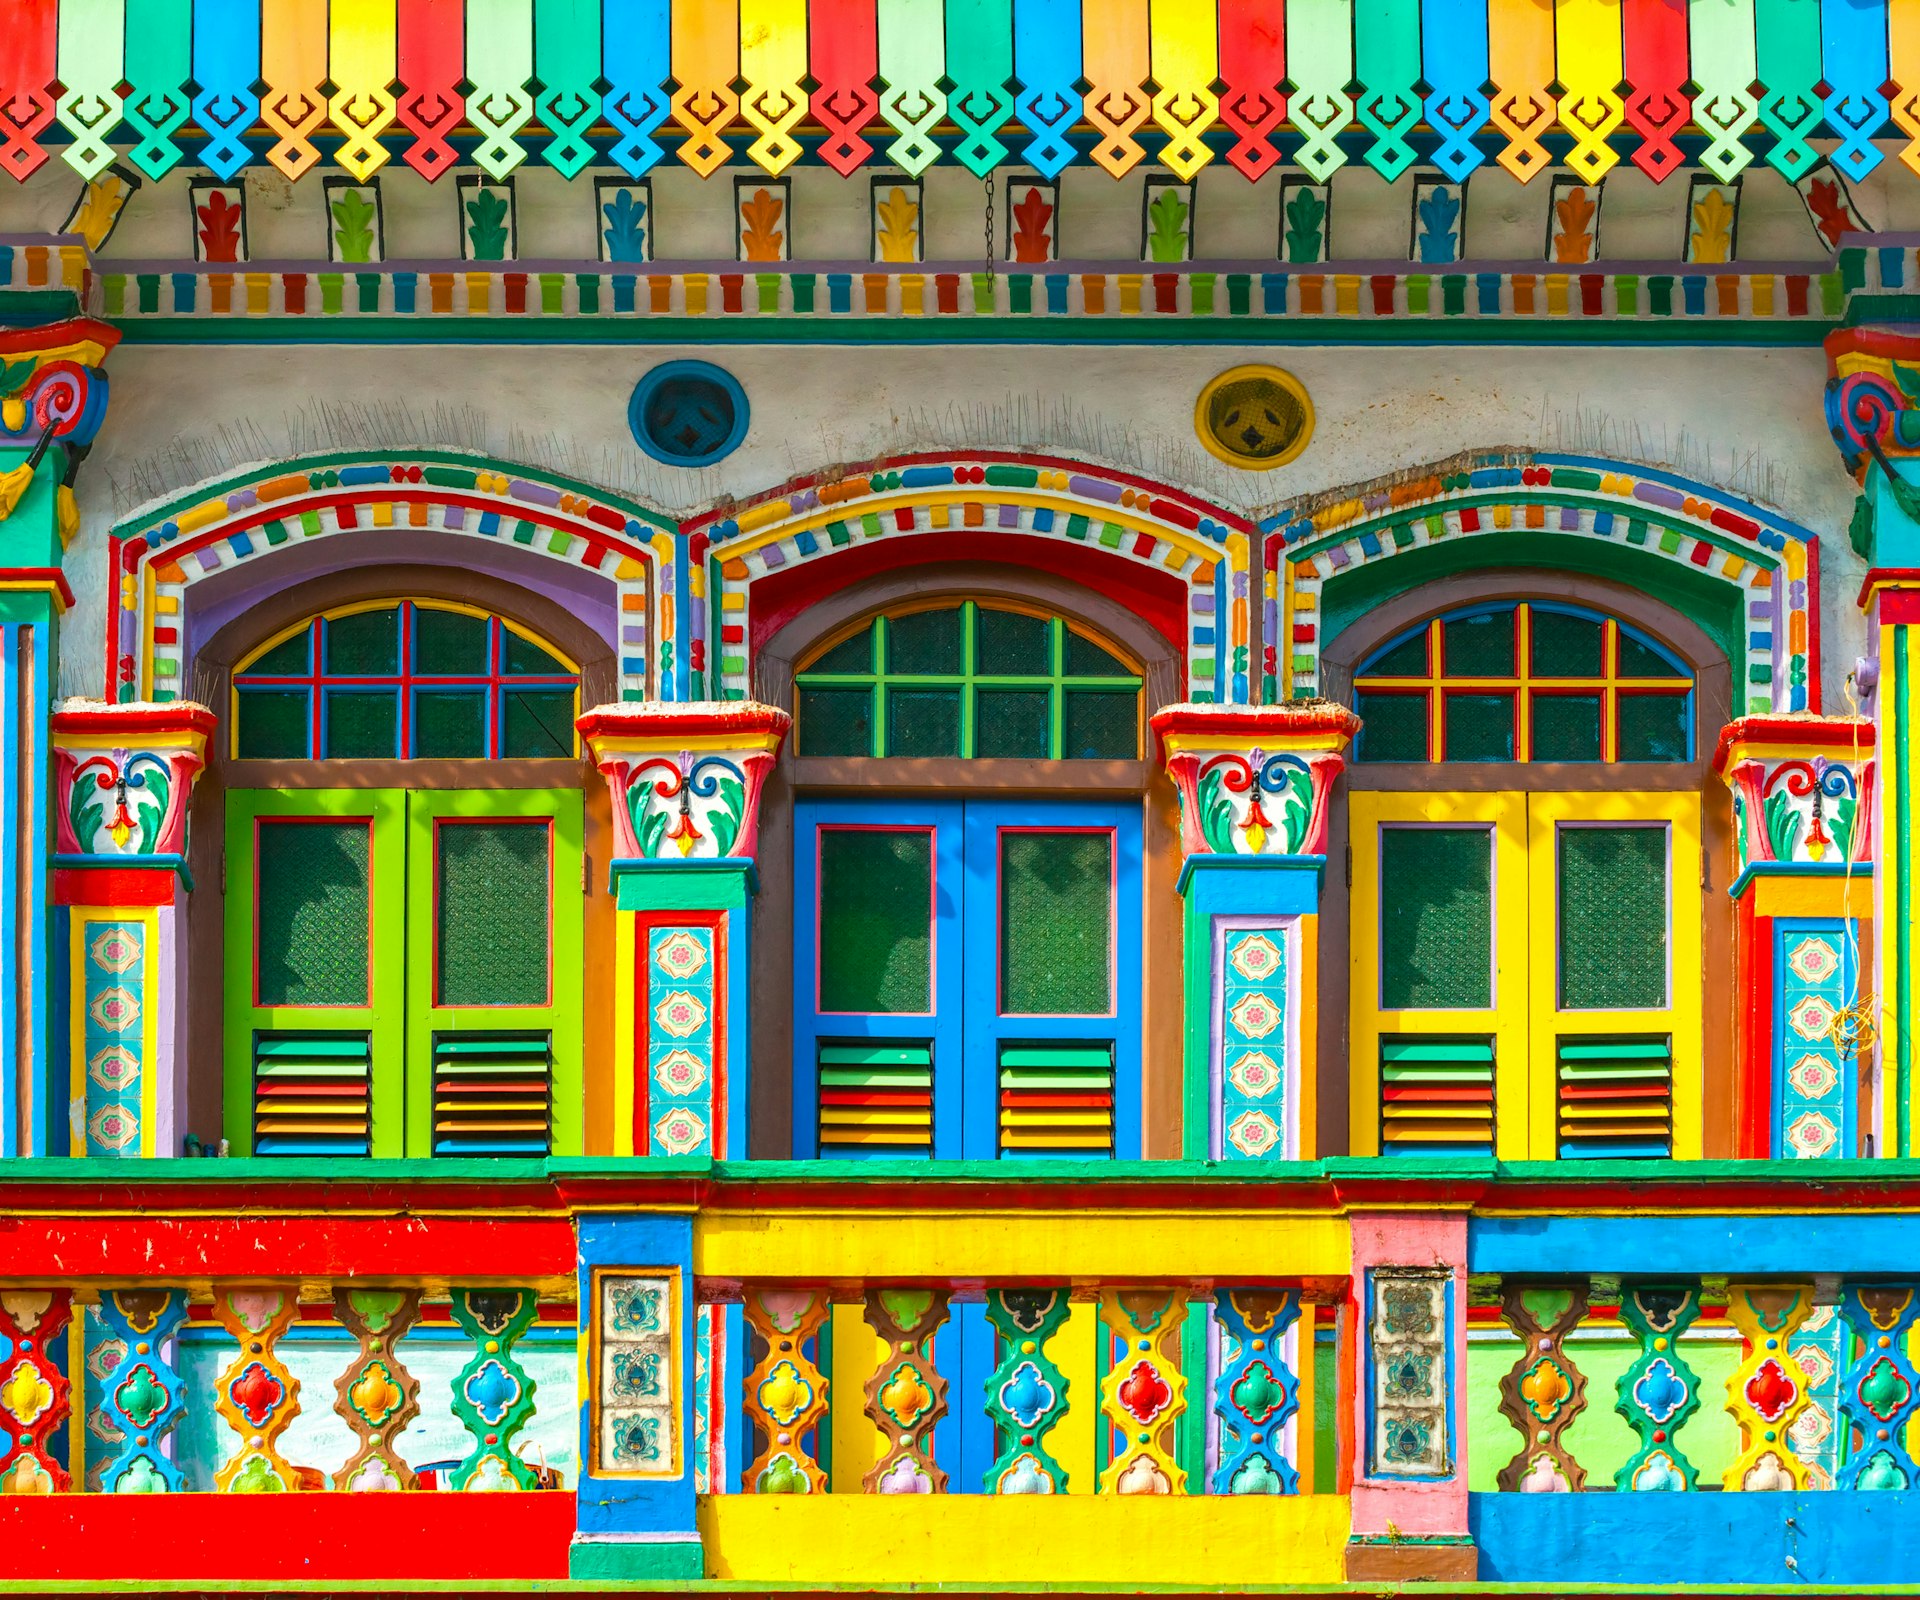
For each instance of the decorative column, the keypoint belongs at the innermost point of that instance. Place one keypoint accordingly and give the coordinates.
(1873, 408)
(1254, 784)
(53, 397)
(1408, 1394)
(122, 781)
(1803, 803)
(686, 783)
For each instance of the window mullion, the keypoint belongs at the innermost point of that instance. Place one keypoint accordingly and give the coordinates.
(881, 664)
(969, 616)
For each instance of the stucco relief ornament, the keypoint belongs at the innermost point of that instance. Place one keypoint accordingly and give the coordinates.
(1254, 780)
(685, 779)
(123, 778)
(1802, 789)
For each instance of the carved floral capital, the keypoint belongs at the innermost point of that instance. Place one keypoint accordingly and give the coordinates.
(1254, 780)
(685, 778)
(123, 776)
(1802, 788)
(52, 375)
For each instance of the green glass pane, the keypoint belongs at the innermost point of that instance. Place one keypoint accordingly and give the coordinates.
(1393, 727)
(1101, 725)
(362, 723)
(1566, 727)
(1653, 727)
(538, 722)
(1011, 644)
(924, 642)
(876, 920)
(446, 643)
(1641, 660)
(1436, 917)
(1056, 923)
(449, 723)
(1479, 727)
(1565, 646)
(923, 722)
(493, 920)
(365, 644)
(853, 654)
(1407, 659)
(1011, 722)
(311, 929)
(835, 722)
(1085, 659)
(523, 656)
(274, 723)
(1480, 645)
(1613, 917)
(290, 658)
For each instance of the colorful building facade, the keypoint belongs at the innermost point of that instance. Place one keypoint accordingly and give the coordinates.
(1032, 794)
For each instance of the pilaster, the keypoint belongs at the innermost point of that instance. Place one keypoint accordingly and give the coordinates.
(685, 781)
(1254, 783)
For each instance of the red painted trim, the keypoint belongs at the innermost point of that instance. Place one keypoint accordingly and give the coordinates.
(693, 723)
(49, 578)
(114, 886)
(137, 721)
(1824, 733)
(149, 1248)
(52, 335)
(217, 1537)
(1903, 604)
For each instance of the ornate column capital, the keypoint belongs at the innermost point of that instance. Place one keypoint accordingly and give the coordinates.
(123, 777)
(1802, 791)
(685, 778)
(1254, 780)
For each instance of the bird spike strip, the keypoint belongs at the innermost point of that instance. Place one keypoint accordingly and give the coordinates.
(1248, 82)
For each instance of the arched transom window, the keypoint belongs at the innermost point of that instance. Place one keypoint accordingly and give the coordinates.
(405, 679)
(1524, 681)
(969, 680)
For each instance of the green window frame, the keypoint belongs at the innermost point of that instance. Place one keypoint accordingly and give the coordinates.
(969, 680)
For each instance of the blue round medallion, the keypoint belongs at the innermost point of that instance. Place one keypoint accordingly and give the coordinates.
(688, 413)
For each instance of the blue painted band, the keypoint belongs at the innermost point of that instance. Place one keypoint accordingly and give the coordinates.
(1211, 863)
(1877, 1243)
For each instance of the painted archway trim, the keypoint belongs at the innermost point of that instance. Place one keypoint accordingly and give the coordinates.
(947, 495)
(156, 557)
(1771, 562)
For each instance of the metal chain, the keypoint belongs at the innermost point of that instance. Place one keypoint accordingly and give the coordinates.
(990, 266)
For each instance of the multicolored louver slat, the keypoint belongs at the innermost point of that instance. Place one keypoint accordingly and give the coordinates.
(492, 1094)
(312, 1094)
(1186, 86)
(876, 1099)
(1056, 1099)
(1436, 1097)
(1616, 1096)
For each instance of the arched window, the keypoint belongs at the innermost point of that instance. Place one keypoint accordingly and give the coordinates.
(1524, 681)
(410, 680)
(968, 680)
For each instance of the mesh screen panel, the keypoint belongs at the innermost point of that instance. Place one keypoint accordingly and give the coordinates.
(1638, 660)
(876, 920)
(1436, 917)
(1653, 727)
(1085, 659)
(853, 654)
(1393, 727)
(1408, 659)
(1011, 644)
(362, 723)
(290, 658)
(1566, 727)
(1564, 646)
(1101, 725)
(537, 722)
(449, 642)
(450, 723)
(274, 723)
(836, 722)
(520, 655)
(365, 644)
(1613, 917)
(923, 722)
(924, 641)
(1480, 646)
(1056, 923)
(1010, 722)
(311, 930)
(494, 930)
(1255, 417)
(1479, 727)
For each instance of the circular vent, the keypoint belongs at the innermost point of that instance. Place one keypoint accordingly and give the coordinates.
(1254, 417)
(688, 414)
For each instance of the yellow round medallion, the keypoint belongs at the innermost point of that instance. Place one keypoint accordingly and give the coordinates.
(1254, 417)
